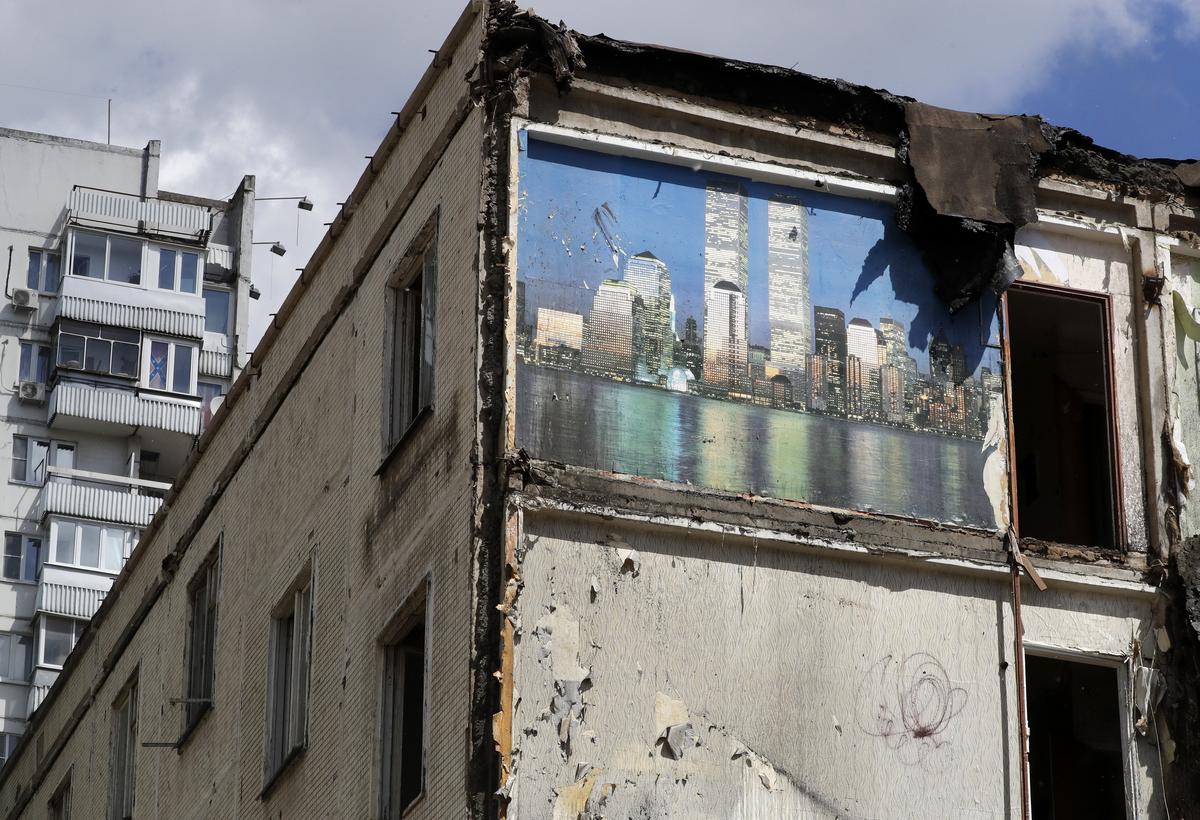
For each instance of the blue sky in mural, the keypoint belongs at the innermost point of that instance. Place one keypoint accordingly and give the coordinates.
(563, 255)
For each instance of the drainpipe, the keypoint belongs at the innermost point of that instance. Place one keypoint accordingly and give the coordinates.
(1014, 562)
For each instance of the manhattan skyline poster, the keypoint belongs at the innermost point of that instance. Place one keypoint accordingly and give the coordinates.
(709, 329)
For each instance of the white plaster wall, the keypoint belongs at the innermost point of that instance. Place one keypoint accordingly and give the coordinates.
(786, 664)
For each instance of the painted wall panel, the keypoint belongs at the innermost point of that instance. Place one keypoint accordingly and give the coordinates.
(673, 674)
(736, 334)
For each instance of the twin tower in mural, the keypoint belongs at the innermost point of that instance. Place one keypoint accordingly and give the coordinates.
(814, 360)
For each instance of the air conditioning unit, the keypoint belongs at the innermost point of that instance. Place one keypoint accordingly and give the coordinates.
(31, 391)
(25, 299)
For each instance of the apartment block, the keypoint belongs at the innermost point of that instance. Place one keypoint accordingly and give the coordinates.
(442, 552)
(123, 324)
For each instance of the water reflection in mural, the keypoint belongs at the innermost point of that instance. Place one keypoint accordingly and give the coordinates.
(746, 337)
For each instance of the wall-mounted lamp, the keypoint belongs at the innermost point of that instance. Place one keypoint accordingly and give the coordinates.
(277, 248)
(303, 203)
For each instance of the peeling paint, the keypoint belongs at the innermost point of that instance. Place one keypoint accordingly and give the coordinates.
(572, 801)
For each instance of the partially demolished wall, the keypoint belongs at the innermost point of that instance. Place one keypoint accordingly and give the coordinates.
(641, 672)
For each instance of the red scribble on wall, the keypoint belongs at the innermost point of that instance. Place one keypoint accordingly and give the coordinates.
(909, 702)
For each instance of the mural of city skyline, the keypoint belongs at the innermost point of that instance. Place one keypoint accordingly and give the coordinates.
(799, 315)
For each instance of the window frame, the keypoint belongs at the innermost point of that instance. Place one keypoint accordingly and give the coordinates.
(76, 329)
(8, 744)
(199, 695)
(289, 676)
(77, 628)
(1105, 303)
(410, 348)
(173, 344)
(58, 807)
(128, 540)
(37, 356)
(25, 539)
(153, 253)
(416, 611)
(123, 737)
(108, 237)
(1118, 663)
(7, 641)
(229, 305)
(44, 255)
(53, 445)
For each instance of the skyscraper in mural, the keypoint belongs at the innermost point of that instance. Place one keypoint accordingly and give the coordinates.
(726, 348)
(789, 305)
(726, 264)
(612, 333)
(650, 277)
(829, 335)
(862, 343)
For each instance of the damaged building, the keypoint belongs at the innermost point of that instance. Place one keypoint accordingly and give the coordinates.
(660, 435)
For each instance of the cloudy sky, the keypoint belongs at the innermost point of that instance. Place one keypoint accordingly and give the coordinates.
(299, 93)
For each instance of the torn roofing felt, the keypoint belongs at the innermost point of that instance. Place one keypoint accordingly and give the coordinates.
(974, 183)
(970, 181)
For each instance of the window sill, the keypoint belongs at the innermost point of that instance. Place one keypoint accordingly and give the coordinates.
(19, 581)
(272, 781)
(108, 573)
(191, 728)
(402, 441)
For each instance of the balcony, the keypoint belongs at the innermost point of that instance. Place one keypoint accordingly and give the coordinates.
(115, 410)
(101, 497)
(70, 600)
(183, 220)
(110, 303)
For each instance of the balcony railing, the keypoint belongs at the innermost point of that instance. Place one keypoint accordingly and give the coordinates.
(99, 496)
(180, 219)
(131, 407)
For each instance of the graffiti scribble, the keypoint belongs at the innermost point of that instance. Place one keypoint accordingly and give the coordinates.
(909, 702)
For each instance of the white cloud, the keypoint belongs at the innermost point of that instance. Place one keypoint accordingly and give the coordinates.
(299, 93)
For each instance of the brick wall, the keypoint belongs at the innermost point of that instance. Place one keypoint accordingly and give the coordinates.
(298, 484)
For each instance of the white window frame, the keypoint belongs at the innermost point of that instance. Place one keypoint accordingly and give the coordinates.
(1129, 753)
(44, 255)
(172, 345)
(52, 448)
(123, 741)
(36, 350)
(289, 659)
(27, 540)
(228, 313)
(77, 627)
(141, 283)
(9, 640)
(152, 254)
(129, 537)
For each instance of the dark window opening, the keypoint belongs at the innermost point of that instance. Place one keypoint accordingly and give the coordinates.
(1075, 757)
(1062, 417)
(404, 722)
